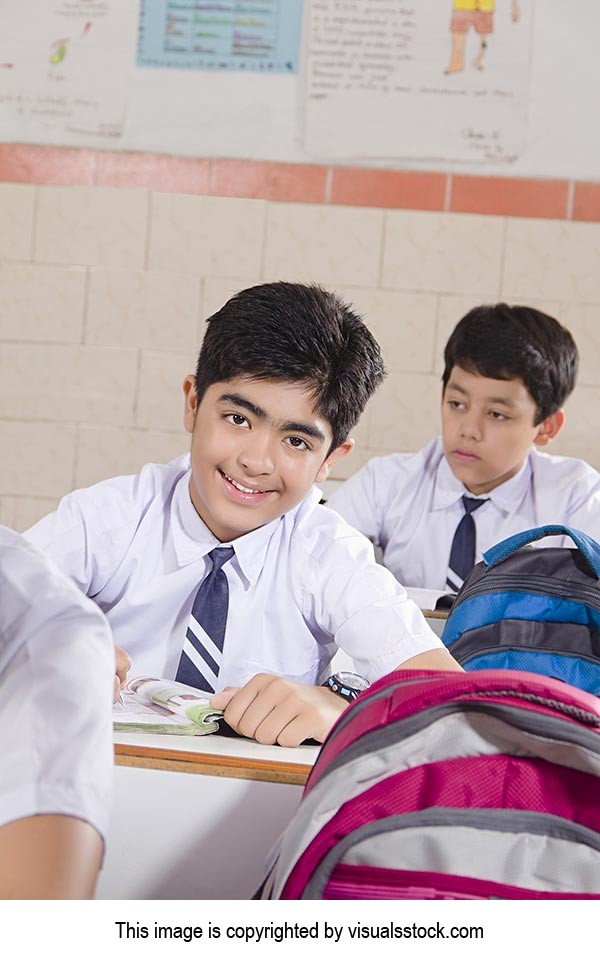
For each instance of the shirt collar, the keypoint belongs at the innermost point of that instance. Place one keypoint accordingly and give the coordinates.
(507, 496)
(193, 540)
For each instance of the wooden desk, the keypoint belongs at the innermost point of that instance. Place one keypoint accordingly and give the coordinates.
(213, 755)
(195, 817)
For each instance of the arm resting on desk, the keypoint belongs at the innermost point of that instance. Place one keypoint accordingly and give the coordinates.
(274, 710)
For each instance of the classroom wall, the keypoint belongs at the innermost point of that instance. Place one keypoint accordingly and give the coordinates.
(109, 263)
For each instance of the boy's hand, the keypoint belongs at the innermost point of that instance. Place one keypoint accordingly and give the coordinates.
(122, 666)
(273, 710)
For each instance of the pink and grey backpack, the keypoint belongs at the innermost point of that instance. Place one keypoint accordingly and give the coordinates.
(451, 786)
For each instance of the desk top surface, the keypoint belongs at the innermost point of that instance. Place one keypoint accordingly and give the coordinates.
(215, 755)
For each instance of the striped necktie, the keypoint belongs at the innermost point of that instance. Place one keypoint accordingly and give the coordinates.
(462, 551)
(203, 646)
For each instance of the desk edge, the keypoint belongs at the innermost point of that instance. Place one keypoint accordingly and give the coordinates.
(139, 756)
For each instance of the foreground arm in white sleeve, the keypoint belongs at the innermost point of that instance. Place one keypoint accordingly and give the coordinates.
(73, 538)
(56, 678)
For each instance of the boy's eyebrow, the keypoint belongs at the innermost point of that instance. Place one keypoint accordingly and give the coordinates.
(508, 402)
(243, 402)
(296, 426)
(299, 428)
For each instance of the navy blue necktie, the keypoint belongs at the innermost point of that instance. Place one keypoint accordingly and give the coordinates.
(203, 646)
(462, 551)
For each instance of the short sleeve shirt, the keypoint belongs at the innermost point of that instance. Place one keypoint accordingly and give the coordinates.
(299, 587)
(410, 505)
(56, 685)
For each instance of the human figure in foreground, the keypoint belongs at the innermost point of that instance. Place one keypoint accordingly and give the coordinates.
(56, 684)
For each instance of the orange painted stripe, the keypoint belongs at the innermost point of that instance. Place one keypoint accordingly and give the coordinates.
(161, 172)
(509, 197)
(586, 202)
(33, 164)
(270, 181)
(386, 188)
(302, 183)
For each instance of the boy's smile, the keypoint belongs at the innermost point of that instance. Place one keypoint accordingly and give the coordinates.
(257, 448)
(243, 494)
(488, 428)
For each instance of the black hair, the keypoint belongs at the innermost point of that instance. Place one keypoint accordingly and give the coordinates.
(503, 342)
(295, 332)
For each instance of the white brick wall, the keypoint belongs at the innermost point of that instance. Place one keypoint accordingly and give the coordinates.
(103, 293)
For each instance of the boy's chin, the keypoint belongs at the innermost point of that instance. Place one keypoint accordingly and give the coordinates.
(474, 480)
(241, 522)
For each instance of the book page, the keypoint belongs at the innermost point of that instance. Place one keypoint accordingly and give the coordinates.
(154, 705)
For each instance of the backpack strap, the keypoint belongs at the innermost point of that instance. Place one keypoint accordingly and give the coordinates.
(588, 547)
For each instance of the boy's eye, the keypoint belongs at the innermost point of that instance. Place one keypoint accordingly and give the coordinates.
(298, 443)
(455, 405)
(236, 419)
(498, 416)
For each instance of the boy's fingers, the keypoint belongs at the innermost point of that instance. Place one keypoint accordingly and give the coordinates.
(268, 714)
(287, 715)
(255, 701)
(298, 730)
(123, 664)
(222, 698)
(238, 701)
(116, 689)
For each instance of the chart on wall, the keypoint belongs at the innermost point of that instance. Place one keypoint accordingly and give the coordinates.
(64, 68)
(242, 35)
(428, 79)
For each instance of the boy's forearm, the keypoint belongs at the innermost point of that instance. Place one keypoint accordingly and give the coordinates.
(49, 857)
(437, 659)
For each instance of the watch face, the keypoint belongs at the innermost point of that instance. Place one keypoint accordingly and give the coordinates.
(350, 680)
(347, 684)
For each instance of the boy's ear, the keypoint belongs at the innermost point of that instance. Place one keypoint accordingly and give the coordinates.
(336, 455)
(191, 403)
(549, 428)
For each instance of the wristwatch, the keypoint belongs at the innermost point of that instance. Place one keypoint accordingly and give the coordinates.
(346, 684)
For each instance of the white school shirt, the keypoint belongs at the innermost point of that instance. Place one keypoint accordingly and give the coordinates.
(410, 505)
(56, 685)
(298, 587)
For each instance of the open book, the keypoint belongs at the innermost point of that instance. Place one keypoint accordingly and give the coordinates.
(157, 706)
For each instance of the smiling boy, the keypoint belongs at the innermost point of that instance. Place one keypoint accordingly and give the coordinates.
(508, 371)
(238, 482)
(221, 569)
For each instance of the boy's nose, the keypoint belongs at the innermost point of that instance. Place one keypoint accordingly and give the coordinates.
(257, 457)
(470, 426)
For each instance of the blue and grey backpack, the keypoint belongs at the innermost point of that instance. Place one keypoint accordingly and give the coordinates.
(531, 610)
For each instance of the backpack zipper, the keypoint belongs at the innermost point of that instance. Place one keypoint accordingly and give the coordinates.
(454, 648)
(570, 711)
(535, 584)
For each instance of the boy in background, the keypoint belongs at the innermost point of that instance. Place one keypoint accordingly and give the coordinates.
(56, 677)
(508, 371)
(221, 569)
